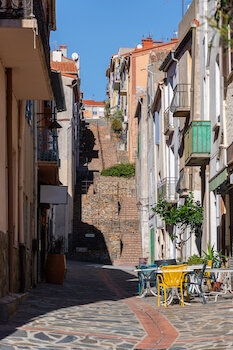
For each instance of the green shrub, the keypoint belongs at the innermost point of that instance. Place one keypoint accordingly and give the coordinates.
(116, 125)
(120, 170)
(195, 260)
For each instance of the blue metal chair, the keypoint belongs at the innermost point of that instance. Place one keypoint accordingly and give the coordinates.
(147, 280)
(194, 283)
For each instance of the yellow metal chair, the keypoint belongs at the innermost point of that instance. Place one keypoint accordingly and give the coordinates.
(172, 276)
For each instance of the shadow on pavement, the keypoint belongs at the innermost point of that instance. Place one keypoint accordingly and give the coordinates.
(85, 283)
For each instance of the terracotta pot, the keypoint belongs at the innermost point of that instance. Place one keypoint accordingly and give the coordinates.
(55, 268)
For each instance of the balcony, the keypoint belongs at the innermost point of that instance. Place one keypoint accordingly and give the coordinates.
(197, 143)
(180, 105)
(47, 155)
(116, 81)
(24, 38)
(123, 87)
(183, 183)
(168, 122)
(167, 189)
(230, 155)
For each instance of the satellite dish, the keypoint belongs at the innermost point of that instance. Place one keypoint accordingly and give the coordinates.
(75, 56)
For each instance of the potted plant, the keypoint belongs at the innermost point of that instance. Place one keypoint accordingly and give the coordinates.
(55, 265)
(214, 257)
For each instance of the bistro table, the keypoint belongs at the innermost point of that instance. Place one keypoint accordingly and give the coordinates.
(224, 276)
(148, 276)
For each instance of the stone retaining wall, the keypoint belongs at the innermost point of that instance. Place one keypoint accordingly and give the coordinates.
(102, 227)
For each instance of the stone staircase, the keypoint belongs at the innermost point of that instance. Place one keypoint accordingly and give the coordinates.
(105, 208)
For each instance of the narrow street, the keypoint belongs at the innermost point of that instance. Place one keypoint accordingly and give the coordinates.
(97, 308)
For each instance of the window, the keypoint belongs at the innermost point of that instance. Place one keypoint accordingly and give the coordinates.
(94, 110)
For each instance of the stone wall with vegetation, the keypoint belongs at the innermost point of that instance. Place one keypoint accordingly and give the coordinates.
(102, 225)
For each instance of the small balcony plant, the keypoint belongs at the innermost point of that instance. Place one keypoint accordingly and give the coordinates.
(57, 245)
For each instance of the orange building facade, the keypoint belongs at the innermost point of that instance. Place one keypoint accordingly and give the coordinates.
(93, 109)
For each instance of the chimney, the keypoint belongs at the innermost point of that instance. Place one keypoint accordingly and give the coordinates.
(147, 43)
(63, 49)
(56, 56)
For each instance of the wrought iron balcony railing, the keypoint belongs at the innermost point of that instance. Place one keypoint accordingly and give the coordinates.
(180, 105)
(168, 122)
(15, 9)
(167, 188)
(47, 145)
(28, 9)
(123, 87)
(230, 154)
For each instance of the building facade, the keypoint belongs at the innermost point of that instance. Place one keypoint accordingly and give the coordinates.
(93, 109)
(25, 81)
(178, 130)
(68, 119)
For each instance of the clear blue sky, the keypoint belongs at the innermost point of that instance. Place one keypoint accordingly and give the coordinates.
(96, 29)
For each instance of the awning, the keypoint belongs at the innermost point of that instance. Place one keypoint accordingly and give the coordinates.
(58, 91)
(218, 179)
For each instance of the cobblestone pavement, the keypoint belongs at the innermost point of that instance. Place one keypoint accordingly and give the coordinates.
(201, 327)
(97, 308)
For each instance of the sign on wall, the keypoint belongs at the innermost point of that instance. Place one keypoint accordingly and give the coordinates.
(53, 194)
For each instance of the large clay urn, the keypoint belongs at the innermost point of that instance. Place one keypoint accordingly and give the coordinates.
(55, 268)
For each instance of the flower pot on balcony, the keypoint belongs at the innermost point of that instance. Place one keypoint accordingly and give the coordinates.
(55, 268)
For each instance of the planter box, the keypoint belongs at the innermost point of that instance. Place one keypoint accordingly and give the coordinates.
(55, 268)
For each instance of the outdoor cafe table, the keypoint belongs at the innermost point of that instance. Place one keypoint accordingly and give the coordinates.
(223, 275)
(147, 273)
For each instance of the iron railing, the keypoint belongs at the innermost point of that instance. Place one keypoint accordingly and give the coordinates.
(43, 29)
(167, 188)
(15, 9)
(168, 121)
(47, 145)
(181, 97)
(230, 154)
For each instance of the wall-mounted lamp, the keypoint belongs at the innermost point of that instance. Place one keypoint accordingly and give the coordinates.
(54, 125)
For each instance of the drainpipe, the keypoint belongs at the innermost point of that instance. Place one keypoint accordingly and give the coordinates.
(178, 121)
(36, 235)
(10, 180)
(162, 128)
(193, 27)
(177, 159)
(22, 246)
(21, 176)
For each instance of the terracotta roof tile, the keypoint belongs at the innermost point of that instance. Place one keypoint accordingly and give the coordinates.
(64, 67)
(69, 75)
(93, 103)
